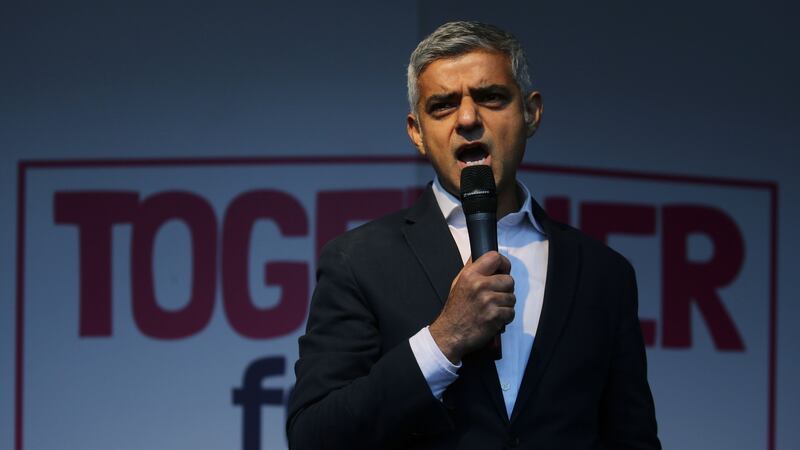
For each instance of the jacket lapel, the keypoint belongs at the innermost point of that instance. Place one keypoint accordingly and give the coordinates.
(482, 363)
(429, 237)
(563, 266)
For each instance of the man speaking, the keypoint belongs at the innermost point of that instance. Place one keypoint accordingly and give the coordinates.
(399, 343)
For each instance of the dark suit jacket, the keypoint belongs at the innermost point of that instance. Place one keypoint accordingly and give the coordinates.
(359, 386)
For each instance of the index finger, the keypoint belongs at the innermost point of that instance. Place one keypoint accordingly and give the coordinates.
(505, 265)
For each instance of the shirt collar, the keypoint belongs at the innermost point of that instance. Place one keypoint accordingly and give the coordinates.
(454, 214)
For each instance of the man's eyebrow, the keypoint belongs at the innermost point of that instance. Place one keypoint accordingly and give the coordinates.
(444, 97)
(490, 88)
(450, 96)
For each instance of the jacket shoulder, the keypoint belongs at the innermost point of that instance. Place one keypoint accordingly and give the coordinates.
(374, 237)
(595, 251)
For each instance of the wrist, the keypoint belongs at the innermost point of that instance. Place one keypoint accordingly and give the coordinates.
(446, 343)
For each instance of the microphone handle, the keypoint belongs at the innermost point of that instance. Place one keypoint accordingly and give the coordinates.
(482, 229)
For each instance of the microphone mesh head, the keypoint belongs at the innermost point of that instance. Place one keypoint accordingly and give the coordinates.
(478, 191)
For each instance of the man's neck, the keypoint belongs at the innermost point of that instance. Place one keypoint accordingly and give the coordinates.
(509, 201)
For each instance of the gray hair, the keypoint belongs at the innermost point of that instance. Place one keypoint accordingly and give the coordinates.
(458, 38)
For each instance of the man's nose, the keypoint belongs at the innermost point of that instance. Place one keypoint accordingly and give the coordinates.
(468, 116)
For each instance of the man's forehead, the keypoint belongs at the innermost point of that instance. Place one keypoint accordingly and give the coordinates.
(474, 70)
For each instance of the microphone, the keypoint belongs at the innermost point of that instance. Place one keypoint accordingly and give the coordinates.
(479, 201)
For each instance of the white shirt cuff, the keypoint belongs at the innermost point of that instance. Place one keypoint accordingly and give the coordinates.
(438, 371)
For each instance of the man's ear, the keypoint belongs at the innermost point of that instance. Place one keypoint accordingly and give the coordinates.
(533, 112)
(415, 133)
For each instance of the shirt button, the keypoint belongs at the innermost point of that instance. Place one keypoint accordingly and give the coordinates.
(505, 386)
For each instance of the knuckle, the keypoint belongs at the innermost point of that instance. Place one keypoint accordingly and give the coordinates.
(492, 257)
(507, 263)
(511, 316)
(476, 284)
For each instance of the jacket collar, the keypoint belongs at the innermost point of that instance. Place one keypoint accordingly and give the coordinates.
(454, 213)
(427, 234)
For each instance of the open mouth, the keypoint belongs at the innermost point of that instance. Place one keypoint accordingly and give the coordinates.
(473, 154)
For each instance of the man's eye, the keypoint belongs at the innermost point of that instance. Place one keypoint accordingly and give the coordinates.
(493, 99)
(441, 108)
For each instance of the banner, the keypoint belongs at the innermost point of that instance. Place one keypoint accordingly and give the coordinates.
(159, 301)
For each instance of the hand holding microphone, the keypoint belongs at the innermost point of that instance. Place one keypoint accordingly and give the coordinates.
(481, 300)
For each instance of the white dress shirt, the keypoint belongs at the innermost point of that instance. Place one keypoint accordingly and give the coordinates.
(521, 240)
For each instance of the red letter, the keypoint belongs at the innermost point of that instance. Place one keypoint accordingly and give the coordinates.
(335, 209)
(292, 277)
(685, 282)
(601, 220)
(94, 213)
(197, 214)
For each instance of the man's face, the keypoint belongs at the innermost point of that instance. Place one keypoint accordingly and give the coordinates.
(471, 111)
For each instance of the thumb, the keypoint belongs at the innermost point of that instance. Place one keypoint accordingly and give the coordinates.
(489, 263)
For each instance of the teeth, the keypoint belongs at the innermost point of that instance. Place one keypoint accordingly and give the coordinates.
(478, 162)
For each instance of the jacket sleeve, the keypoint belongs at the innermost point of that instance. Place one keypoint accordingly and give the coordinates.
(627, 410)
(351, 392)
